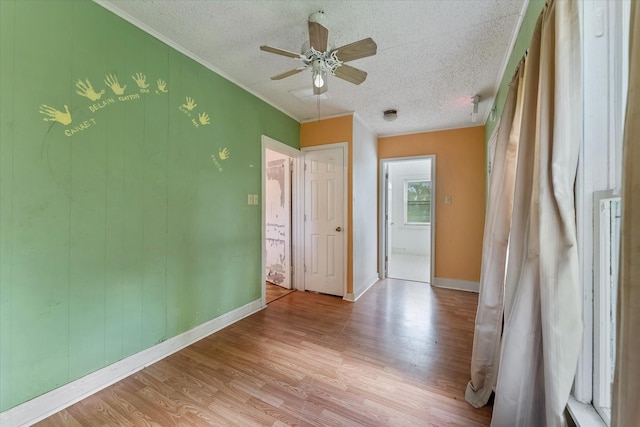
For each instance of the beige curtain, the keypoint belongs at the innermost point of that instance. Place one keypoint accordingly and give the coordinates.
(542, 319)
(625, 409)
(488, 329)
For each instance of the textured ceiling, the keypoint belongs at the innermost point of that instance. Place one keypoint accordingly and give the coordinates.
(433, 56)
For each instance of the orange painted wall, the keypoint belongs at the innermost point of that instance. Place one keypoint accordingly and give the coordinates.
(330, 131)
(460, 173)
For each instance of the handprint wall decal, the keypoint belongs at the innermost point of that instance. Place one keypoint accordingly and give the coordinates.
(112, 81)
(86, 89)
(191, 104)
(203, 118)
(141, 80)
(162, 86)
(53, 115)
(224, 154)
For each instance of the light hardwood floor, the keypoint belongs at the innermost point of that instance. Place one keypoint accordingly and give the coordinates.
(274, 292)
(399, 356)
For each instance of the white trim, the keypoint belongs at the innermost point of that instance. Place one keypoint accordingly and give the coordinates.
(381, 212)
(56, 400)
(183, 50)
(602, 363)
(297, 207)
(330, 116)
(507, 56)
(365, 125)
(460, 285)
(346, 229)
(442, 129)
(405, 203)
(583, 415)
(353, 297)
(600, 154)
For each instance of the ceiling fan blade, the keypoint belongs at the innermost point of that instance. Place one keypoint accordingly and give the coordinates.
(318, 36)
(288, 73)
(320, 90)
(281, 52)
(350, 74)
(356, 50)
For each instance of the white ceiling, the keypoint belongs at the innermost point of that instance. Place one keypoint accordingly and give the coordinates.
(433, 55)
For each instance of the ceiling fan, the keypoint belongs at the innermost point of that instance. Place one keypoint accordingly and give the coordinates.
(322, 59)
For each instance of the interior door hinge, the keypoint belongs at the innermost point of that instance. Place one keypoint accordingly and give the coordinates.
(305, 166)
(305, 268)
(305, 217)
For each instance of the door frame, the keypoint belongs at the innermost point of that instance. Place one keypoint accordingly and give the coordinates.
(297, 213)
(382, 222)
(345, 213)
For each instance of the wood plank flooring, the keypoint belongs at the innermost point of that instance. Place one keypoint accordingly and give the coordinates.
(274, 292)
(399, 356)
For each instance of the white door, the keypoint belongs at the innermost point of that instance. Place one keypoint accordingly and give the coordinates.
(324, 255)
(278, 218)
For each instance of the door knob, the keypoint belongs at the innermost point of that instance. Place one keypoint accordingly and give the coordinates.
(338, 229)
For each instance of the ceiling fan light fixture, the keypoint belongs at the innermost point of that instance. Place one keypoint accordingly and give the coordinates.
(319, 74)
(390, 115)
(318, 80)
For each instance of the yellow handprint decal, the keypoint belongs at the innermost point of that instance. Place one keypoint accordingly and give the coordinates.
(86, 89)
(53, 115)
(162, 86)
(112, 81)
(141, 80)
(203, 118)
(224, 154)
(190, 105)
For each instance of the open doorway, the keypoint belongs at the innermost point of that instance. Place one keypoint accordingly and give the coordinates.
(277, 202)
(408, 196)
(281, 250)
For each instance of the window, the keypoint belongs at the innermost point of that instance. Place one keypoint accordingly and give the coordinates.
(606, 265)
(605, 80)
(417, 202)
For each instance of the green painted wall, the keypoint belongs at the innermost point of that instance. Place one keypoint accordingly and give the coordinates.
(135, 228)
(523, 42)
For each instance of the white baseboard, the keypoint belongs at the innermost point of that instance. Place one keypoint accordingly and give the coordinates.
(460, 285)
(359, 292)
(56, 400)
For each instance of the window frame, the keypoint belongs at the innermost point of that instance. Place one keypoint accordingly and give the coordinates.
(604, 30)
(405, 201)
(602, 356)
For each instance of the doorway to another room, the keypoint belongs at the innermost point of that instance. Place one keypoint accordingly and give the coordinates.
(407, 198)
(277, 201)
(280, 219)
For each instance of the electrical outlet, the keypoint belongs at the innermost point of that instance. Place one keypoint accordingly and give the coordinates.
(255, 199)
(249, 199)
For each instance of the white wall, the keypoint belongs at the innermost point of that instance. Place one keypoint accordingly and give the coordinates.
(408, 239)
(365, 207)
